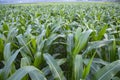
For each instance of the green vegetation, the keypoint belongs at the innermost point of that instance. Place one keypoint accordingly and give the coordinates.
(71, 41)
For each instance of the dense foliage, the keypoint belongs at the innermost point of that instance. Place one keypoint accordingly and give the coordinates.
(57, 41)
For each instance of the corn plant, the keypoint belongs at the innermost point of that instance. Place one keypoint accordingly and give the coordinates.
(60, 41)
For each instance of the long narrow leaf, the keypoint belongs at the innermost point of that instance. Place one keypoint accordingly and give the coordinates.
(107, 72)
(87, 69)
(34, 73)
(55, 69)
(8, 64)
(78, 67)
(7, 51)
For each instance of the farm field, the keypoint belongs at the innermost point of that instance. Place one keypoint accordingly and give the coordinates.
(60, 41)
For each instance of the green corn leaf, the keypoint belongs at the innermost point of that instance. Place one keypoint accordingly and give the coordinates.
(33, 42)
(101, 33)
(1, 49)
(41, 45)
(100, 61)
(87, 68)
(5, 27)
(112, 51)
(52, 38)
(55, 69)
(40, 37)
(11, 34)
(25, 61)
(46, 70)
(7, 67)
(7, 51)
(23, 43)
(108, 72)
(80, 40)
(78, 67)
(38, 59)
(35, 74)
(95, 45)
(70, 43)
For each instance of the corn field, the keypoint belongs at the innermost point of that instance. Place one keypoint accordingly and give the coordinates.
(60, 41)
